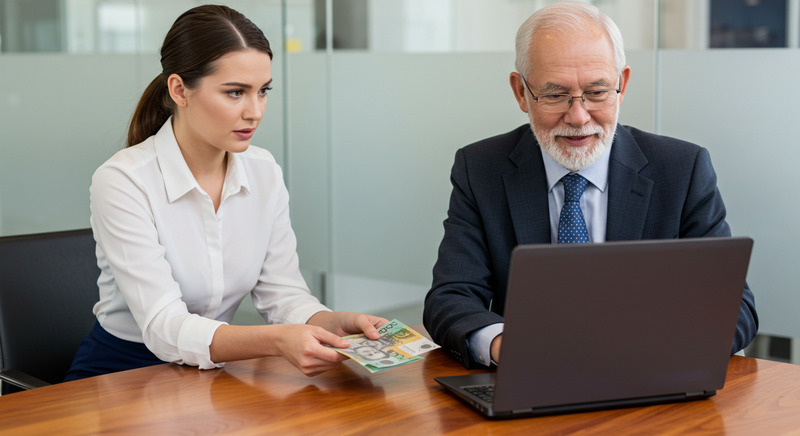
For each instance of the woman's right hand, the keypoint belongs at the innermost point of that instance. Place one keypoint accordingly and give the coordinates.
(303, 346)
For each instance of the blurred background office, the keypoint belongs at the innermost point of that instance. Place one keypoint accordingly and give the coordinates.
(371, 100)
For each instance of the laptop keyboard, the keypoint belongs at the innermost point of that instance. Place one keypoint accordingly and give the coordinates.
(484, 392)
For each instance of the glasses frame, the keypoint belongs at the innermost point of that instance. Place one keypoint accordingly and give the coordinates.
(571, 97)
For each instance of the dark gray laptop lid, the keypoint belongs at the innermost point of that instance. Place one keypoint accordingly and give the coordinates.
(619, 320)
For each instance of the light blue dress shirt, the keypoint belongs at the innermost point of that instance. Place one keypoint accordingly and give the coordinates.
(594, 205)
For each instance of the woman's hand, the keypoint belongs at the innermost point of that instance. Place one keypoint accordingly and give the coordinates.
(303, 346)
(348, 323)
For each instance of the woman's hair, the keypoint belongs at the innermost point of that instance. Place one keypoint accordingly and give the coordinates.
(198, 37)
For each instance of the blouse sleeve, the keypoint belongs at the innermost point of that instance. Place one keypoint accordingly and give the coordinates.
(123, 223)
(281, 294)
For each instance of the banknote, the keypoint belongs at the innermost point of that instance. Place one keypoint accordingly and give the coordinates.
(398, 345)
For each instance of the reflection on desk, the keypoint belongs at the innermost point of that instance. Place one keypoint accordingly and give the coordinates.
(269, 395)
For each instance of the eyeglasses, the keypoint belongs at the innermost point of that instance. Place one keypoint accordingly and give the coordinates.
(592, 100)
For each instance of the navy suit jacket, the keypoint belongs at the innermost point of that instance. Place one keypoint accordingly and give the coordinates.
(658, 188)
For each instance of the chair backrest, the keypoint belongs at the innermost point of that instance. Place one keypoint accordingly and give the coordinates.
(48, 286)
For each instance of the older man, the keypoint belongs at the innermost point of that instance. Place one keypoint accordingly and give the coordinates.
(510, 189)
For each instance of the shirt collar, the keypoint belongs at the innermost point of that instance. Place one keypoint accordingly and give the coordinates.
(235, 177)
(596, 174)
(178, 179)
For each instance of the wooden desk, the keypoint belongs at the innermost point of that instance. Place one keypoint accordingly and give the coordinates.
(269, 396)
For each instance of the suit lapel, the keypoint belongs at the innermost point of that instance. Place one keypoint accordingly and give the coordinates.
(526, 190)
(629, 193)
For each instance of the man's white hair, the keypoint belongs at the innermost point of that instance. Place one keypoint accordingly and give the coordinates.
(566, 17)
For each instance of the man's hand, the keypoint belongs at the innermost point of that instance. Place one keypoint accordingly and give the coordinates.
(494, 348)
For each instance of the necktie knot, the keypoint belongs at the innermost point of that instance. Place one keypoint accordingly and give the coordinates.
(574, 185)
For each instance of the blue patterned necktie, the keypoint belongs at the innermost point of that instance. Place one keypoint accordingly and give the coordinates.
(571, 225)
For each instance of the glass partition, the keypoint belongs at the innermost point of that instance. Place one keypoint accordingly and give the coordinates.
(70, 77)
(387, 114)
(372, 98)
(714, 60)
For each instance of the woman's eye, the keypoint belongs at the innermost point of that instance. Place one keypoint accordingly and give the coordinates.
(237, 93)
(263, 91)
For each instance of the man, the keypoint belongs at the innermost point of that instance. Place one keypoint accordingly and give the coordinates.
(508, 190)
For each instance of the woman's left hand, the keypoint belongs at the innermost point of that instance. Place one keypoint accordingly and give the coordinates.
(348, 323)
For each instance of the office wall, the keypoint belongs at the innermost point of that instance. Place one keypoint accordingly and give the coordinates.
(395, 121)
(367, 137)
(740, 104)
(63, 113)
(61, 116)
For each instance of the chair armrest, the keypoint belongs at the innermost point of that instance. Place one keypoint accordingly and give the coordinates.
(21, 380)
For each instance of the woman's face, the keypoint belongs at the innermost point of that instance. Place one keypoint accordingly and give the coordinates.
(225, 108)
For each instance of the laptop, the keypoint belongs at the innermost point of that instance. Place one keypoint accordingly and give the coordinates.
(614, 324)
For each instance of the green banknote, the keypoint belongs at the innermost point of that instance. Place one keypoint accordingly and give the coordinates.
(399, 344)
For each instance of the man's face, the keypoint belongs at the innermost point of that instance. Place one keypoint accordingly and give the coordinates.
(572, 63)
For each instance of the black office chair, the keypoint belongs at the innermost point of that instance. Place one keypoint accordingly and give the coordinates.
(48, 285)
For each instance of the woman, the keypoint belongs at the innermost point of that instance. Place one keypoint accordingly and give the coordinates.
(189, 219)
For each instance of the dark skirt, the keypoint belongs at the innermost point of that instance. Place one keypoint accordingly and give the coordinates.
(101, 353)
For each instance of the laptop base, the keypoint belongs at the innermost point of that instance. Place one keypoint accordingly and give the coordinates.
(456, 385)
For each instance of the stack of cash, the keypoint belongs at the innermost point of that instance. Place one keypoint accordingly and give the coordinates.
(399, 344)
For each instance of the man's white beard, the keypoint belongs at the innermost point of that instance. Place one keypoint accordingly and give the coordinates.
(576, 158)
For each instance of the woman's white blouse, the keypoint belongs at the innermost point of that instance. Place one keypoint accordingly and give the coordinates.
(172, 269)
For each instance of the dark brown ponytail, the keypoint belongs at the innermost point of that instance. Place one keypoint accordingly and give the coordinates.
(153, 110)
(198, 37)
